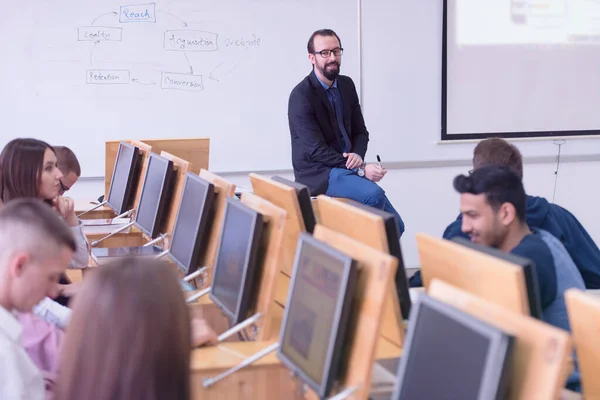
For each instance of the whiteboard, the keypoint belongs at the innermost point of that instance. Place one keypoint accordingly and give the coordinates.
(80, 72)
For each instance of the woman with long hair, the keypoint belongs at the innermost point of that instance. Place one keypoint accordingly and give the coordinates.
(130, 336)
(28, 169)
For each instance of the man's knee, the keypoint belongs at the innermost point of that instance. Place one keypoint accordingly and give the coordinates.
(374, 196)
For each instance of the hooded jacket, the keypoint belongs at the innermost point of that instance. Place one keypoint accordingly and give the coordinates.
(561, 224)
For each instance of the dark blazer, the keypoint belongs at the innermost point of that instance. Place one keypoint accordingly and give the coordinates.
(316, 143)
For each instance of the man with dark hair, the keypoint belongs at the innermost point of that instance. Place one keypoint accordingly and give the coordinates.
(68, 164)
(36, 248)
(328, 132)
(493, 206)
(539, 214)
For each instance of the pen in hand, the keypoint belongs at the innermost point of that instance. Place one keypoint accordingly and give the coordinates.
(379, 162)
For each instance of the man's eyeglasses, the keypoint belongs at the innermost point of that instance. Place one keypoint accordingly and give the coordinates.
(327, 53)
(63, 188)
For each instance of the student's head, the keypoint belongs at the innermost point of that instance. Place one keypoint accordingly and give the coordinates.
(36, 247)
(325, 53)
(129, 336)
(492, 203)
(497, 151)
(68, 164)
(28, 169)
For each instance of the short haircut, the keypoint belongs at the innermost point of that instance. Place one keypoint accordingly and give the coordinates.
(31, 226)
(497, 151)
(321, 32)
(131, 327)
(499, 184)
(67, 161)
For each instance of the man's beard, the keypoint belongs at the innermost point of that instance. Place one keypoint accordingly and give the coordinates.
(332, 73)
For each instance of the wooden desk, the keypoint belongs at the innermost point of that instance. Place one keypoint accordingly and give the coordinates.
(82, 205)
(266, 379)
(386, 349)
(74, 275)
(133, 238)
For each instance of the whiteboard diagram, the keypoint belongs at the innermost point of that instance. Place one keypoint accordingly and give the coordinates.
(181, 39)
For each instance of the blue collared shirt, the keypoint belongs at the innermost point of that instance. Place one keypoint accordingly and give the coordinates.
(335, 98)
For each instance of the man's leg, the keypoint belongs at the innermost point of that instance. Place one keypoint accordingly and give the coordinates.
(390, 208)
(347, 184)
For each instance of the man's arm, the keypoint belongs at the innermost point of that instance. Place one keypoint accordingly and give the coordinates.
(360, 135)
(81, 257)
(307, 133)
(455, 230)
(544, 270)
(20, 378)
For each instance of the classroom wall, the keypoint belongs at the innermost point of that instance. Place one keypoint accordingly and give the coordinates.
(425, 198)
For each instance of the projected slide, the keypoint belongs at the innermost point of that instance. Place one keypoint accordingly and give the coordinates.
(521, 68)
(508, 22)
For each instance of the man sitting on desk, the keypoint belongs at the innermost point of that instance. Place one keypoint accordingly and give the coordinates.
(328, 132)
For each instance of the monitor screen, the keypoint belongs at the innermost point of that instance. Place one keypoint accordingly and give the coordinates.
(529, 271)
(317, 313)
(192, 224)
(125, 175)
(237, 260)
(303, 194)
(393, 241)
(156, 192)
(449, 354)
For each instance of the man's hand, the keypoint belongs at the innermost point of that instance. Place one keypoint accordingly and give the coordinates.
(202, 333)
(374, 173)
(65, 207)
(69, 290)
(353, 160)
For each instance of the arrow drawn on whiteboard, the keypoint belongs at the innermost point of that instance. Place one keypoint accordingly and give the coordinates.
(190, 65)
(101, 15)
(184, 24)
(135, 80)
(92, 53)
(210, 76)
(219, 72)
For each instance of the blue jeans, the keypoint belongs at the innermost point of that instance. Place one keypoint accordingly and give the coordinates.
(346, 183)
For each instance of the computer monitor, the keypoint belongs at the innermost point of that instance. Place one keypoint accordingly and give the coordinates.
(236, 263)
(156, 195)
(121, 193)
(317, 314)
(529, 271)
(303, 194)
(393, 240)
(193, 223)
(449, 354)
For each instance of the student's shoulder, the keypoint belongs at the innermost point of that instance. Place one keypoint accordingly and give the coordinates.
(533, 247)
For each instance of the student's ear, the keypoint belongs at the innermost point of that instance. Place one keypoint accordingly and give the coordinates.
(17, 264)
(507, 214)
